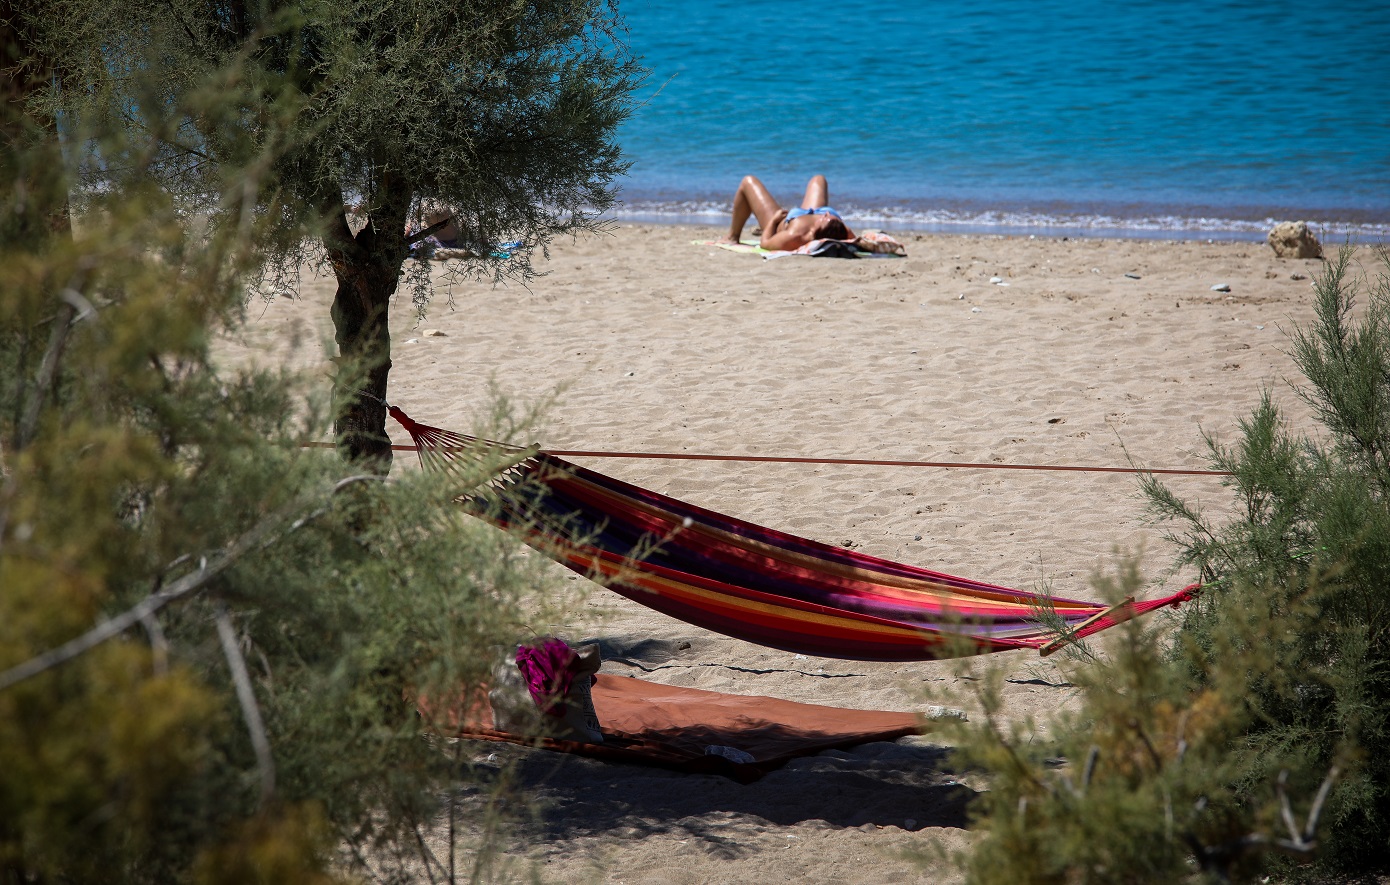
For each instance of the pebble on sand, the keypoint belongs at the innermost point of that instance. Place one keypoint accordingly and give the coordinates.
(1221, 287)
(435, 333)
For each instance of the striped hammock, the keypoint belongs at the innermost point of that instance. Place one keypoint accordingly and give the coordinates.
(746, 581)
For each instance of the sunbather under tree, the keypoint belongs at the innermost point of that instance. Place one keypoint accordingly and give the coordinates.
(503, 111)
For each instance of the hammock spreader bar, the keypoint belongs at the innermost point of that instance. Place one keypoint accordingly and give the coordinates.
(747, 581)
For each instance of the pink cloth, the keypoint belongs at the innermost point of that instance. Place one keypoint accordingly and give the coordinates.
(547, 669)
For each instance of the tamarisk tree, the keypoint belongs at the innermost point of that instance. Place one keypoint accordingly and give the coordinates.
(212, 640)
(501, 111)
(1254, 739)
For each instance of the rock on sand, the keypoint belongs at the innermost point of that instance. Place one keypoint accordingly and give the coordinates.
(1293, 239)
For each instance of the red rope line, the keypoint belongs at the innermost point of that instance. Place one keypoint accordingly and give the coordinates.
(872, 462)
(869, 462)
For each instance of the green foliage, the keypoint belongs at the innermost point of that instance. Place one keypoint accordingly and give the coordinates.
(1257, 737)
(1137, 786)
(1311, 550)
(503, 109)
(365, 113)
(138, 475)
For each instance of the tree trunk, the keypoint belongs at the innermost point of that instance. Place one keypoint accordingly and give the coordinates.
(364, 363)
(39, 215)
(367, 266)
(27, 71)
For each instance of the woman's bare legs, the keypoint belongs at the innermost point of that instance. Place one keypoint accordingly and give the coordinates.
(817, 193)
(752, 198)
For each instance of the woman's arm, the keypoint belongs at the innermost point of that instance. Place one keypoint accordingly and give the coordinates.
(787, 240)
(775, 234)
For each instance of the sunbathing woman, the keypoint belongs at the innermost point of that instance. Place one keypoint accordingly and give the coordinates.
(784, 229)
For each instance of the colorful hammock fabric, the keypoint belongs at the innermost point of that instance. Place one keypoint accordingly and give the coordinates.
(747, 581)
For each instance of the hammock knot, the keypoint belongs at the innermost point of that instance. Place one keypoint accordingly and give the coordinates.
(1188, 593)
(401, 417)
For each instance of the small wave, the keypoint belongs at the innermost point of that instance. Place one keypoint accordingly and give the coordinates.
(1166, 225)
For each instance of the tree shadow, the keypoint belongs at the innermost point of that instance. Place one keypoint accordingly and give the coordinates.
(906, 784)
(881, 784)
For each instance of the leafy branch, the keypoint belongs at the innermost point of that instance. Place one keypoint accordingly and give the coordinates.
(262, 535)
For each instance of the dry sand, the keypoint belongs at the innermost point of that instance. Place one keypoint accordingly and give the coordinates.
(1092, 352)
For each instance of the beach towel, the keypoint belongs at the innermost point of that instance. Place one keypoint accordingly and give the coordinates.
(744, 247)
(742, 737)
(869, 244)
(825, 248)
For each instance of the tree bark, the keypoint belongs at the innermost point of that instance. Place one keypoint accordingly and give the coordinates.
(367, 266)
(40, 215)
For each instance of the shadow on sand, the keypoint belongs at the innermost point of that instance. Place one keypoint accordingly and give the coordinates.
(879, 784)
(905, 784)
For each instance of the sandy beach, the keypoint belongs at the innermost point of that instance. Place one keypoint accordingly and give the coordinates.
(1087, 352)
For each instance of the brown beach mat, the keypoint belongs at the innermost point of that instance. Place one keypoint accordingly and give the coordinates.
(739, 736)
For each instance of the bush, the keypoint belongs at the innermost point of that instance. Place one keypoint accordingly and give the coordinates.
(1311, 551)
(1260, 728)
(1140, 784)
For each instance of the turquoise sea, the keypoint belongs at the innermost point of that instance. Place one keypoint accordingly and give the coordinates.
(1140, 118)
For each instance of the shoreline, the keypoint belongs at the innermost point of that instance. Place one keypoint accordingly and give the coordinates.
(1089, 220)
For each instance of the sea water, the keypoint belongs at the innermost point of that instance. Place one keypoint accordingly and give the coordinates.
(1169, 118)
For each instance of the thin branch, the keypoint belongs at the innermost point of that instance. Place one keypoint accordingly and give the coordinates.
(261, 535)
(1286, 810)
(1091, 756)
(1148, 745)
(438, 225)
(74, 310)
(75, 298)
(426, 856)
(177, 561)
(157, 138)
(362, 860)
(453, 809)
(246, 695)
(48, 370)
(134, 615)
(1316, 811)
(159, 645)
(1219, 858)
(9, 474)
(337, 487)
